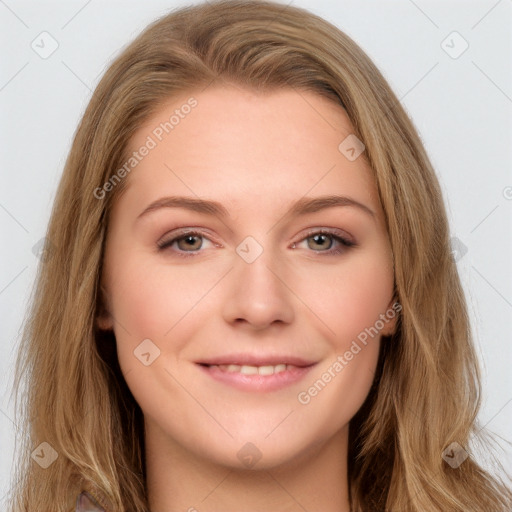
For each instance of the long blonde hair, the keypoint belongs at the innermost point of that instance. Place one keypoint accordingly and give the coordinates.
(426, 393)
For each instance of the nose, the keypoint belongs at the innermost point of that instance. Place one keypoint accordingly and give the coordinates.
(258, 294)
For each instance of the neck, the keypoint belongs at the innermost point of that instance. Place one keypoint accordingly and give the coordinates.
(179, 480)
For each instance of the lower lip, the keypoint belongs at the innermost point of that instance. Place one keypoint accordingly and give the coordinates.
(257, 382)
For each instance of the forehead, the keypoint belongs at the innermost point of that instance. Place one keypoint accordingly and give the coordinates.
(241, 147)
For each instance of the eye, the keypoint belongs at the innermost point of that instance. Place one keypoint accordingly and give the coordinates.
(322, 241)
(327, 242)
(186, 242)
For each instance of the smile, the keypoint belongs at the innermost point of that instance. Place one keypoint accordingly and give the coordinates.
(262, 378)
(253, 370)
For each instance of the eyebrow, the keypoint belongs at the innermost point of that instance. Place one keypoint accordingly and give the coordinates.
(303, 206)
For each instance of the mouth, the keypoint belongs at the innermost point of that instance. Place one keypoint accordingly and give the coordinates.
(252, 370)
(257, 374)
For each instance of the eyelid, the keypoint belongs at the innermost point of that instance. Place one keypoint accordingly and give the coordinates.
(172, 236)
(335, 232)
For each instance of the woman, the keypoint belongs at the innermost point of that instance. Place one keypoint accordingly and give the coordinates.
(251, 303)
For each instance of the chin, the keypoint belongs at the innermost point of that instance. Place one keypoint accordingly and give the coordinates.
(255, 450)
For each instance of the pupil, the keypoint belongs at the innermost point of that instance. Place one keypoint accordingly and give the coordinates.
(321, 239)
(191, 242)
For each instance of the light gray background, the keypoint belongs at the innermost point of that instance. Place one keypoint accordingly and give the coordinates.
(461, 106)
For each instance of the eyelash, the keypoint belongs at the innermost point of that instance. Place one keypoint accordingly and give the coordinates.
(336, 236)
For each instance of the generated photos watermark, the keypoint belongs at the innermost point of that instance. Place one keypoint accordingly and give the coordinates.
(151, 142)
(304, 397)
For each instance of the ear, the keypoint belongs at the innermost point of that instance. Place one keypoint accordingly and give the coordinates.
(391, 317)
(104, 320)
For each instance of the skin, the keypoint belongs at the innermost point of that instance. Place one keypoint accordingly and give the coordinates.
(256, 153)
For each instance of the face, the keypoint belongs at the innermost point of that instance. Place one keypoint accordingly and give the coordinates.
(248, 275)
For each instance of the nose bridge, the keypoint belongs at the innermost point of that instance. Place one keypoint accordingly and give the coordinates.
(257, 291)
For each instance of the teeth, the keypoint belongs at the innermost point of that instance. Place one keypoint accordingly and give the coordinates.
(266, 370)
(249, 370)
(253, 370)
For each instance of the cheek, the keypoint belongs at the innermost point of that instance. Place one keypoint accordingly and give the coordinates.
(350, 300)
(155, 300)
(347, 311)
(140, 302)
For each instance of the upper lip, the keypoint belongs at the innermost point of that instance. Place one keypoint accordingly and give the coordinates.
(256, 360)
